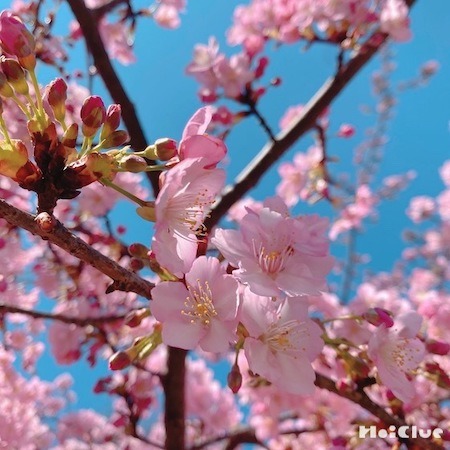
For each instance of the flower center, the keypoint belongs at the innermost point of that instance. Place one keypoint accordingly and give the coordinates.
(285, 337)
(199, 305)
(191, 210)
(272, 261)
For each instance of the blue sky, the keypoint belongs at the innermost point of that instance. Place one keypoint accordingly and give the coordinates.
(418, 134)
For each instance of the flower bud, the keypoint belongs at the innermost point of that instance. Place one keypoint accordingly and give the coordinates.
(45, 222)
(438, 347)
(234, 379)
(5, 88)
(92, 114)
(88, 169)
(165, 149)
(136, 264)
(116, 139)
(16, 40)
(120, 360)
(70, 136)
(13, 156)
(56, 97)
(378, 316)
(133, 163)
(15, 75)
(112, 121)
(346, 130)
(134, 318)
(138, 250)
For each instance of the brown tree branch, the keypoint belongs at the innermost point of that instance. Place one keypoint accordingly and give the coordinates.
(248, 435)
(96, 321)
(173, 383)
(362, 399)
(273, 150)
(105, 69)
(124, 280)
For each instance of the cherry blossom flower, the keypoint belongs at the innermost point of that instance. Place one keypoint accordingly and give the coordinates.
(420, 208)
(202, 312)
(276, 253)
(395, 21)
(181, 207)
(353, 214)
(282, 341)
(295, 176)
(396, 352)
(195, 143)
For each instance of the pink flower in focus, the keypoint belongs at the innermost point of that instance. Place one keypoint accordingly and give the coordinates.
(276, 253)
(185, 198)
(396, 352)
(201, 313)
(394, 20)
(196, 144)
(282, 341)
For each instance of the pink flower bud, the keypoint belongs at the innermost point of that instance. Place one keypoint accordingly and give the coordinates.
(138, 250)
(93, 114)
(133, 163)
(134, 318)
(116, 139)
(120, 360)
(16, 40)
(112, 120)
(438, 347)
(136, 264)
(165, 148)
(346, 130)
(379, 316)
(56, 97)
(234, 379)
(260, 69)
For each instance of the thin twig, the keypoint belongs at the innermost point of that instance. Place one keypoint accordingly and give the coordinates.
(95, 321)
(124, 280)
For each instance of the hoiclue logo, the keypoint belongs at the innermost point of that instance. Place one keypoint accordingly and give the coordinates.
(403, 432)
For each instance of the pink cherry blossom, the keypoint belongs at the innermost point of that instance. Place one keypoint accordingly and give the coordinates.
(276, 253)
(395, 21)
(202, 312)
(185, 198)
(195, 143)
(396, 352)
(117, 41)
(296, 176)
(282, 341)
(352, 215)
(421, 208)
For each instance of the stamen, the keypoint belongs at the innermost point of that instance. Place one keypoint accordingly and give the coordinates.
(285, 337)
(199, 304)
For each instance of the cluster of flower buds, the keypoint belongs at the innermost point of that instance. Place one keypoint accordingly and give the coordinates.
(60, 168)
